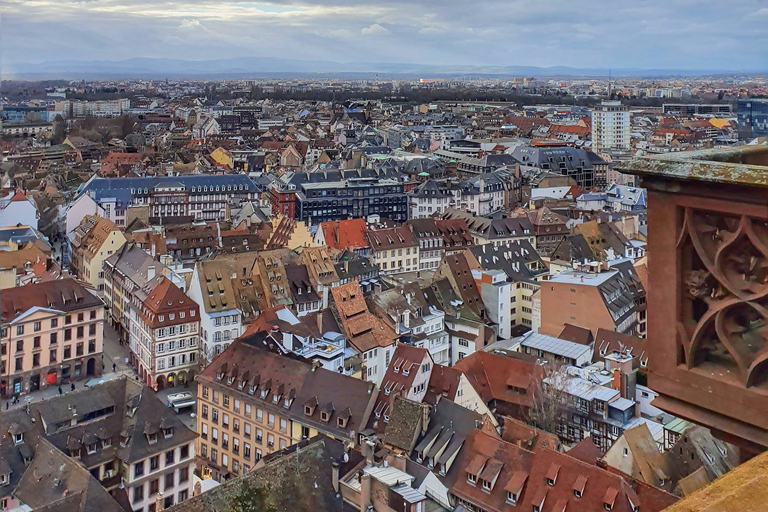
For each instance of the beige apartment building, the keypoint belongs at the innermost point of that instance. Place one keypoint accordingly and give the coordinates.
(395, 250)
(52, 333)
(93, 241)
(252, 402)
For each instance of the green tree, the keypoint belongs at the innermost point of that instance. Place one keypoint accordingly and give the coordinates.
(249, 498)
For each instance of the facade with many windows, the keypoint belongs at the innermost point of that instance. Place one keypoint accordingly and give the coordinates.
(220, 318)
(201, 196)
(52, 334)
(253, 402)
(164, 334)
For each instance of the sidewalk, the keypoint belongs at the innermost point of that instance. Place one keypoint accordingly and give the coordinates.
(50, 392)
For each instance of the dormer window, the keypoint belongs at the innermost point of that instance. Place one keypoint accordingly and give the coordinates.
(152, 438)
(487, 485)
(106, 443)
(471, 479)
(405, 372)
(5, 478)
(168, 432)
(341, 422)
(91, 449)
(307, 410)
(324, 416)
(263, 393)
(18, 438)
(511, 498)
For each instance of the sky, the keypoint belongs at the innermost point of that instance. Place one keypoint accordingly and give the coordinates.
(657, 34)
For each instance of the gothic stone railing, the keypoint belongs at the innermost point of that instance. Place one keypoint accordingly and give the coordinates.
(708, 287)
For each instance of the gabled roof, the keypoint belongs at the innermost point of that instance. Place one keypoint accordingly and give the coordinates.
(362, 329)
(345, 234)
(296, 380)
(490, 374)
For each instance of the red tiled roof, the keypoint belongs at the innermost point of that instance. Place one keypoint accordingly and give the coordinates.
(345, 234)
(361, 328)
(489, 373)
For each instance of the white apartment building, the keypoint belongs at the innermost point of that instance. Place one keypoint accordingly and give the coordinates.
(220, 318)
(610, 127)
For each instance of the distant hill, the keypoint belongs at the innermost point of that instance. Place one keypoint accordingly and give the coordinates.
(251, 67)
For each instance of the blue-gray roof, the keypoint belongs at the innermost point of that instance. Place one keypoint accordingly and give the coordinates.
(124, 189)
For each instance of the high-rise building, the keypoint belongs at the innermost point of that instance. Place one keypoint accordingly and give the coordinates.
(753, 118)
(610, 126)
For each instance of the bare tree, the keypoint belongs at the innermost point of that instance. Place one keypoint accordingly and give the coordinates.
(548, 397)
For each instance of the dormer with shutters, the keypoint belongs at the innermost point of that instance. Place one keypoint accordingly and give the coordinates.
(342, 418)
(16, 432)
(254, 384)
(221, 372)
(243, 381)
(310, 406)
(289, 398)
(232, 377)
(490, 474)
(326, 412)
(151, 432)
(610, 498)
(579, 485)
(278, 393)
(166, 428)
(515, 486)
(125, 438)
(74, 447)
(475, 467)
(552, 472)
(264, 391)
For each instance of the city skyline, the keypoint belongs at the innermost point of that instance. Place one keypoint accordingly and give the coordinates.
(650, 34)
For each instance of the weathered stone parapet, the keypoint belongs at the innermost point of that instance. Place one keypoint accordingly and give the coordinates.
(708, 287)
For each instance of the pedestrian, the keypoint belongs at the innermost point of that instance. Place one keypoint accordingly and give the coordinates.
(114, 366)
(72, 387)
(7, 404)
(60, 391)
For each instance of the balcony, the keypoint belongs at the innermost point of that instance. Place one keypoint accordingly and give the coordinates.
(708, 294)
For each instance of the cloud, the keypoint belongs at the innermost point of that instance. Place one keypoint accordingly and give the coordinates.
(187, 24)
(374, 30)
(484, 32)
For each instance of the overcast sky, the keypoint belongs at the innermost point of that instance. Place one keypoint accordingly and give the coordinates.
(682, 34)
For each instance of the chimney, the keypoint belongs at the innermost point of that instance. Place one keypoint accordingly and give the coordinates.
(150, 272)
(424, 418)
(365, 492)
(320, 322)
(368, 447)
(617, 380)
(335, 476)
(154, 249)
